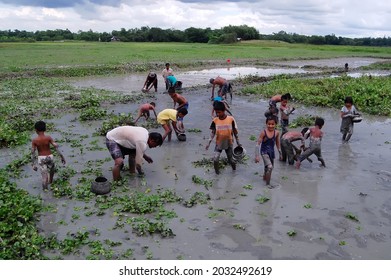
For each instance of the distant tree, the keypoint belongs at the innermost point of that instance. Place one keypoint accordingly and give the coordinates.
(196, 35)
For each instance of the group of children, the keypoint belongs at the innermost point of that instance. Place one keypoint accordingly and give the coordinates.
(224, 127)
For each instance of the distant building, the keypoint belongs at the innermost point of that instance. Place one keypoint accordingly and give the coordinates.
(115, 39)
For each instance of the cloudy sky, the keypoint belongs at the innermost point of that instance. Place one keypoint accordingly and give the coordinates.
(347, 18)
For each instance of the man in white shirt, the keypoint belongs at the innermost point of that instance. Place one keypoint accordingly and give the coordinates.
(167, 72)
(132, 141)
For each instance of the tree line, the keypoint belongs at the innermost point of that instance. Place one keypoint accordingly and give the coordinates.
(226, 35)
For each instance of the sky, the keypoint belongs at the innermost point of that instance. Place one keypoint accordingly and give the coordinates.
(346, 18)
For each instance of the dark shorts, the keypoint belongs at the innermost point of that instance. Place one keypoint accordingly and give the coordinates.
(117, 151)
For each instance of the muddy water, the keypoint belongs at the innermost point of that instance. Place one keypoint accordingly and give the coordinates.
(134, 82)
(357, 180)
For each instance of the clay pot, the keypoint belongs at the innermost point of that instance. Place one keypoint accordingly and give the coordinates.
(238, 153)
(181, 136)
(101, 186)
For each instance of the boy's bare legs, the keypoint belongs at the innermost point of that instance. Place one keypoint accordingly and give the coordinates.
(216, 160)
(167, 131)
(45, 181)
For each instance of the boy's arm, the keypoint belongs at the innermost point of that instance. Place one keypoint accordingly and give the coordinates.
(212, 134)
(33, 156)
(236, 133)
(154, 113)
(55, 145)
(259, 141)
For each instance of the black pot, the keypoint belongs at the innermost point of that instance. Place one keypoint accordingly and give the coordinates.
(101, 186)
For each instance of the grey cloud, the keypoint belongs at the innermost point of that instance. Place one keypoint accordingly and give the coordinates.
(212, 1)
(59, 3)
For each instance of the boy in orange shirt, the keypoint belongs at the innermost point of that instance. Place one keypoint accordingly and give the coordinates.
(224, 127)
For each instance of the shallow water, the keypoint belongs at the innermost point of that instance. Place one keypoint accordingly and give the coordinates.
(200, 77)
(135, 82)
(357, 180)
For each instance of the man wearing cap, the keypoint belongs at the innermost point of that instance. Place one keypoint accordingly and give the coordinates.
(150, 82)
(132, 141)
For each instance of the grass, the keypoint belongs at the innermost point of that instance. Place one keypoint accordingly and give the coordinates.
(370, 94)
(70, 59)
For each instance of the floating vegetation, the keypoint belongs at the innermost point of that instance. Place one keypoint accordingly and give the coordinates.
(302, 121)
(239, 226)
(114, 121)
(248, 187)
(200, 181)
(352, 217)
(307, 206)
(196, 130)
(262, 199)
(197, 198)
(370, 93)
(291, 233)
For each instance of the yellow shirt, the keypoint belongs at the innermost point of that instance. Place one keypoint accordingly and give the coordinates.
(167, 115)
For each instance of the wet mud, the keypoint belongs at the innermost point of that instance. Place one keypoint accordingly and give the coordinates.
(308, 215)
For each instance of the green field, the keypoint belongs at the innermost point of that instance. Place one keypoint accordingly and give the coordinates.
(20, 57)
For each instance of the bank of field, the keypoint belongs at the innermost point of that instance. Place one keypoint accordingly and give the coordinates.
(86, 58)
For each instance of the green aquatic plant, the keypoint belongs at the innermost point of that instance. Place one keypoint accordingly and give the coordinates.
(262, 199)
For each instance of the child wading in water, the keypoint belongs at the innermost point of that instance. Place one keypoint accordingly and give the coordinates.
(285, 110)
(224, 127)
(268, 138)
(144, 109)
(348, 112)
(315, 133)
(45, 158)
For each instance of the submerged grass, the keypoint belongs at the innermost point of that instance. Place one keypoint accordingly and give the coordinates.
(370, 94)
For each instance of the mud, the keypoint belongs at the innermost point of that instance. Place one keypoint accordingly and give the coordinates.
(357, 180)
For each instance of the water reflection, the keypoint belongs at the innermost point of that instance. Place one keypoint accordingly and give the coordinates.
(134, 82)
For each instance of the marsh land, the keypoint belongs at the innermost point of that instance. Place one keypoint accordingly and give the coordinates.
(181, 209)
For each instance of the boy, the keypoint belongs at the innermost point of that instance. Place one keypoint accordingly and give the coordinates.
(177, 98)
(288, 150)
(171, 81)
(316, 135)
(45, 158)
(150, 82)
(167, 72)
(347, 113)
(268, 138)
(171, 115)
(219, 99)
(224, 87)
(224, 127)
(144, 111)
(273, 111)
(285, 110)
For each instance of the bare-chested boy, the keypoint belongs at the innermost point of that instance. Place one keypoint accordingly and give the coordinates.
(316, 134)
(177, 98)
(45, 159)
(224, 87)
